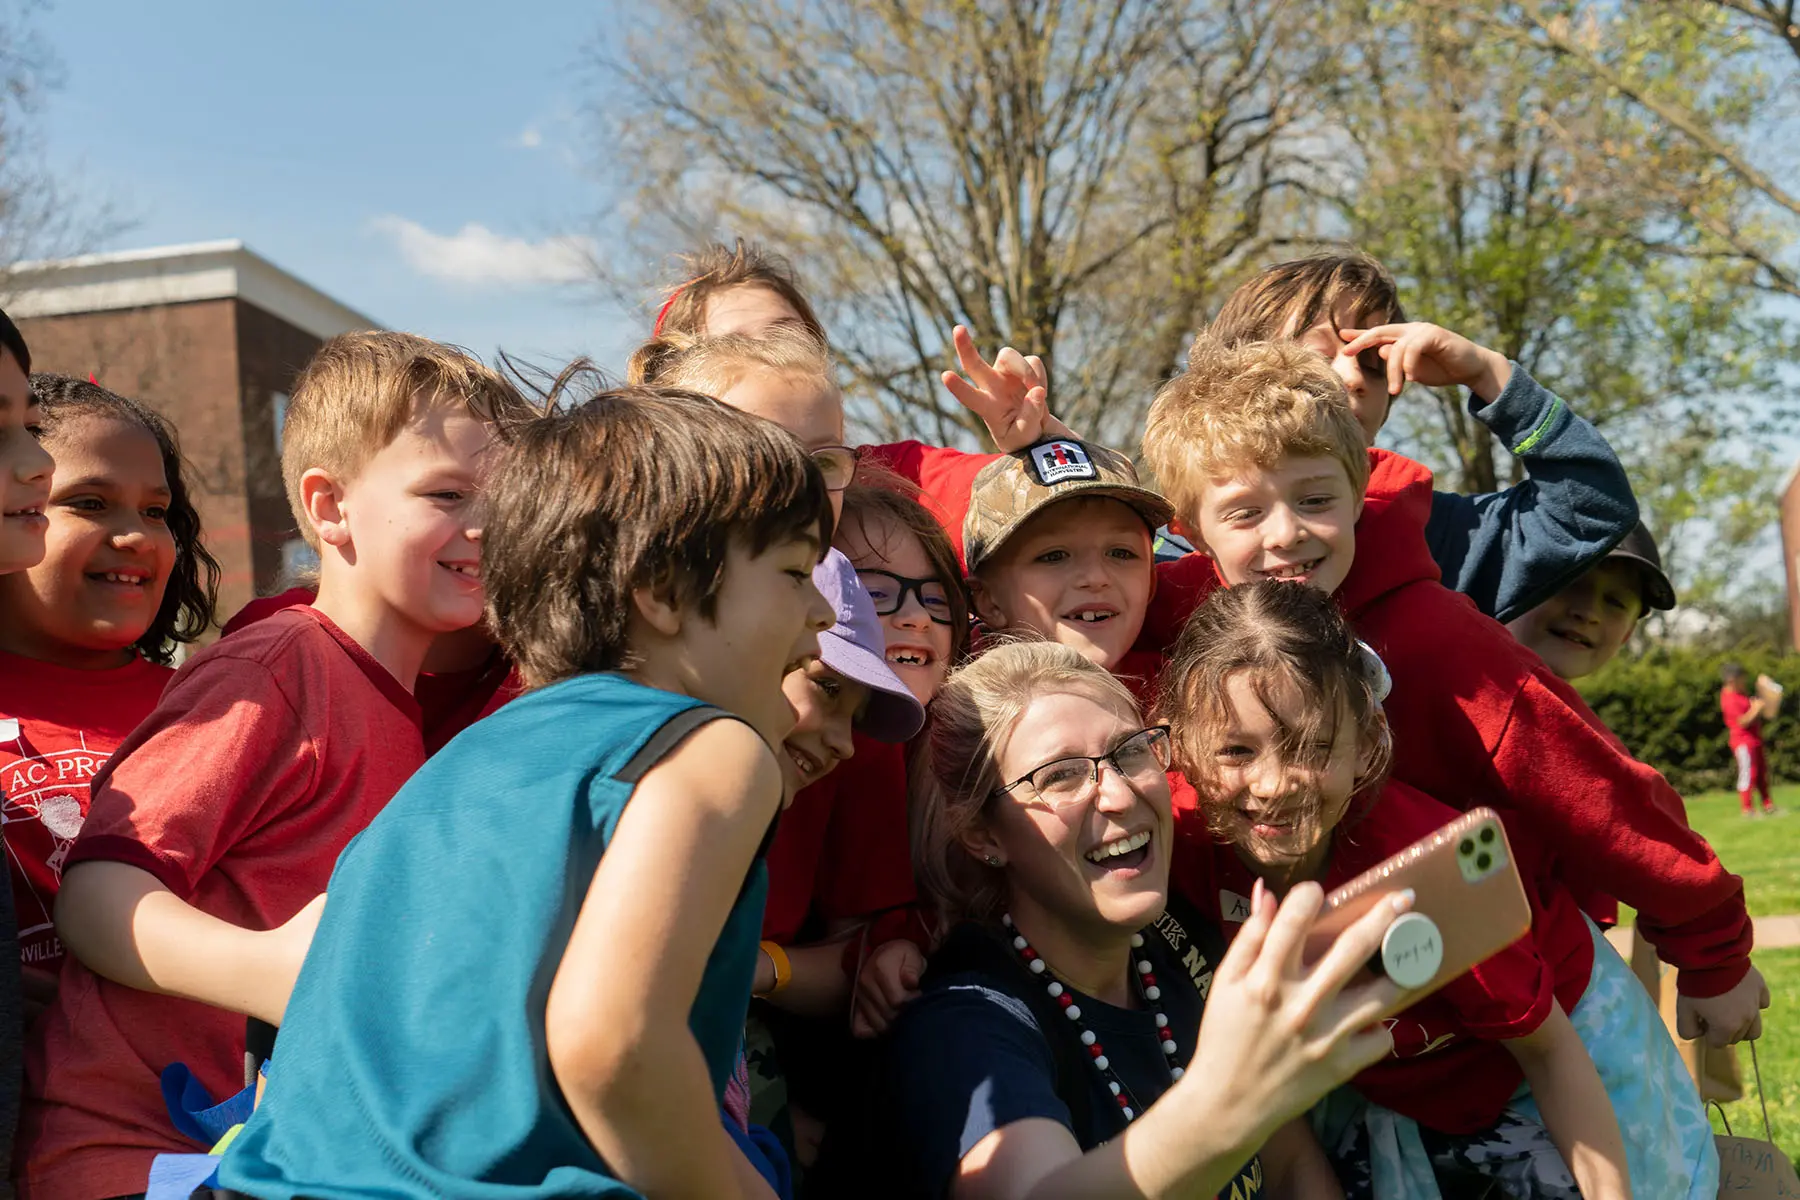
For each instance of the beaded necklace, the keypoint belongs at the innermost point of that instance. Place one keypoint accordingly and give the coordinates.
(1147, 988)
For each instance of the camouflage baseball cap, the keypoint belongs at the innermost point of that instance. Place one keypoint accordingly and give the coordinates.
(1012, 488)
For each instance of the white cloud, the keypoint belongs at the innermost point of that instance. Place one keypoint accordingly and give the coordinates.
(529, 139)
(476, 254)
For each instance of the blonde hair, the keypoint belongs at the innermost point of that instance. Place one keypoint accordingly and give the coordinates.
(958, 768)
(1249, 405)
(360, 390)
(712, 366)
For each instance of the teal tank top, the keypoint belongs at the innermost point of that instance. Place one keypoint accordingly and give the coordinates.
(412, 1060)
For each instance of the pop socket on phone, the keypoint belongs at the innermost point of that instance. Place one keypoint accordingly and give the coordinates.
(1412, 950)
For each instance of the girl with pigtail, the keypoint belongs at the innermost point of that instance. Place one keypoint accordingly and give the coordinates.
(1544, 1069)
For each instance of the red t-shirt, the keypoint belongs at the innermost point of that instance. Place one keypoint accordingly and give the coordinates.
(1448, 1071)
(841, 852)
(1733, 706)
(449, 701)
(270, 750)
(57, 727)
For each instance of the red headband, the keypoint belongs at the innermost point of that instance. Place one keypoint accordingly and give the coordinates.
(656, 329)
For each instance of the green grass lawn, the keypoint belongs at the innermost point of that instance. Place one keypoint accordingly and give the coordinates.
(1778, 1053)
(1767, 854)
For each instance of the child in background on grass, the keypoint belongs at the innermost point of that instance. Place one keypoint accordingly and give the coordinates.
(650, 559)
(1580, 629)
(25, 470)
(1512, 1072)
(87, 635)
(1743, 715)
(190, 897)
(1267, 465)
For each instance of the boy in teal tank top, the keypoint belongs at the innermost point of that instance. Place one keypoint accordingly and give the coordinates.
(533, 967)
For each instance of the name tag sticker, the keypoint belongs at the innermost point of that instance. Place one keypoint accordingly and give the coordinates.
(1233, 907)
(9, 729)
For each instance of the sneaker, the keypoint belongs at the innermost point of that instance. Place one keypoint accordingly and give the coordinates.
(1752, 814)
(1771, 810)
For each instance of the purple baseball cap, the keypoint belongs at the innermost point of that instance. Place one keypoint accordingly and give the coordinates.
(856, 648)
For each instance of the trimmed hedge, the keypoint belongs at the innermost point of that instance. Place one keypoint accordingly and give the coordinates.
(1664, 705)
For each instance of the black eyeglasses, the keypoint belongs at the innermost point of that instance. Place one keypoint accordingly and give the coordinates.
(1066, 782)
(889, 592)
(837, 464)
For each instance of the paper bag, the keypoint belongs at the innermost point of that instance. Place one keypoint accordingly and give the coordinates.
(1749, 1168)
(1769, 692)
(1714, 1068)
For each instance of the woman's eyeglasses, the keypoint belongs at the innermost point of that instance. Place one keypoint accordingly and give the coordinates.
(1140, 758)
(889, 592)
(837, 464)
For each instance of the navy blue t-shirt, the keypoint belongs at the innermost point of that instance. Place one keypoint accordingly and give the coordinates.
(968, 1057)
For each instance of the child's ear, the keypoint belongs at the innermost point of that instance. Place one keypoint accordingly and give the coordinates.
(658, 609)
(322, 500)
(982, 601)
(982, 846)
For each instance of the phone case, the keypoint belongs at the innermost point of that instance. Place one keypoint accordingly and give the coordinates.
(1464, 878)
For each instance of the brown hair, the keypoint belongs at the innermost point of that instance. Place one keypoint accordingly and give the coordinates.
(1291, 297)
(958, 770)
(1249, 405)
(634, 488)
(186, 612)
(880, 494)
(1285, 637)
(712, 366)
(360, 390)
(717, 268)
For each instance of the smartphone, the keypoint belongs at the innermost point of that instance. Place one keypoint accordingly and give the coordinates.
(1468, 905)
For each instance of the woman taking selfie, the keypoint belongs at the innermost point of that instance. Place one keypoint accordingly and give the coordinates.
(1058, 1047)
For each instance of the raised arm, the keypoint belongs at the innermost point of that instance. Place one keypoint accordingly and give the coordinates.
(1011, 394)
(1511, 550)
(1276, 1037)
(616, 1021)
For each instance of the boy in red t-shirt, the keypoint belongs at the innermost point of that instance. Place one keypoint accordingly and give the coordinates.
(190, 897)
(1265, 463)
(1743, 715)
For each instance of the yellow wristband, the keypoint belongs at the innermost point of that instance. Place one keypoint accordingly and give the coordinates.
(784, 970)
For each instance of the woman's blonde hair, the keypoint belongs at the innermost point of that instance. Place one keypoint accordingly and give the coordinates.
(958, 770)
(713, 365)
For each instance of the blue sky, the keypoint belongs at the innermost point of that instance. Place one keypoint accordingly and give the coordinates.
(418, 161)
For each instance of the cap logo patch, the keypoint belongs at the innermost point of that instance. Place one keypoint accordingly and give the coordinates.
(1059, 461)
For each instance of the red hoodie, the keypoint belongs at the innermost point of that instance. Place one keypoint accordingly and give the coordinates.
(1478, 719)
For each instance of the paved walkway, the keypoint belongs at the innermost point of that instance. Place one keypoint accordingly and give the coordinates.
(1775, 933)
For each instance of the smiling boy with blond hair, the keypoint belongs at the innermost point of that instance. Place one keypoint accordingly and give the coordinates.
(1258, 448)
